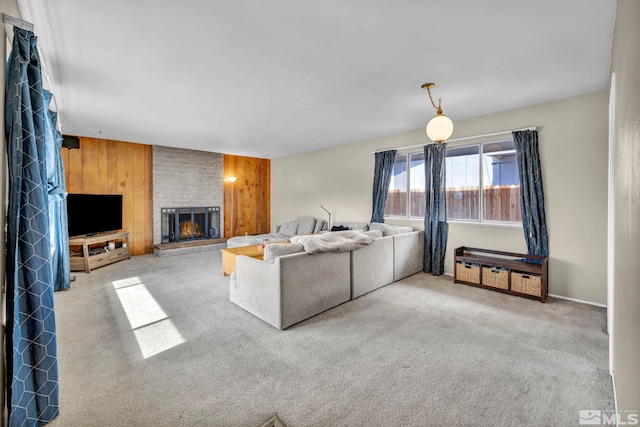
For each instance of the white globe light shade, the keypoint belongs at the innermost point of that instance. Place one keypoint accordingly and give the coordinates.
(440, 128)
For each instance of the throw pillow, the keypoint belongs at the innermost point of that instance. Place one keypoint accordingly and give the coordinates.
(320, 225)
(376, 234)
(289, 228)
(275, 250)
(389, 229)
(339, 228)
(306, 224)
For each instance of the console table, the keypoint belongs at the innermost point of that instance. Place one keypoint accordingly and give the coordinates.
(507, 272)
(88, 261)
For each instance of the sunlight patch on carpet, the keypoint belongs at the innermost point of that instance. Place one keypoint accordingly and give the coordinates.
(153, 329)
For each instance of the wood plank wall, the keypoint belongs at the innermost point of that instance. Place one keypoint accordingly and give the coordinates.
(247, 202)
(114, 167)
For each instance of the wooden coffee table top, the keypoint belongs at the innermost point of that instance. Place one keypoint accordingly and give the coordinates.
(250, 251)
(229, 256)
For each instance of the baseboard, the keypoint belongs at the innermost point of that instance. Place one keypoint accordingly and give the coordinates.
(615, 396)
(563, 297)
(578, 300)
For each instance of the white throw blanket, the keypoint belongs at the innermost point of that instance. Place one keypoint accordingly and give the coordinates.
(336, 241)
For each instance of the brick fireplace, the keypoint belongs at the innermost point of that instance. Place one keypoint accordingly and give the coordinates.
(191, 182)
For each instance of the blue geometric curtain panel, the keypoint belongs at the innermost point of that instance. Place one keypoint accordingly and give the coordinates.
(436, 229)
(32, 366)
(383, 169)
(534, 222)
(56, 187)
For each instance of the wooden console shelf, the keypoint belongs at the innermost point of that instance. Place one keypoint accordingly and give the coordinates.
(507, 272)
(87, 262)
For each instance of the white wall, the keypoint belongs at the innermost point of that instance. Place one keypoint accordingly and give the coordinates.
(573, 150)
(626, 198)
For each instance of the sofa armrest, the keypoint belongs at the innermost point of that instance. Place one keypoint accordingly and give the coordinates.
(372, 266)
(312, 284)
(256, 289)
(408, 254)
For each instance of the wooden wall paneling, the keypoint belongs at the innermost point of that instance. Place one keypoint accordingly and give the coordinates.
(64, 153)
(90, 166)
(139, 195)
(148, 233)
(127, 199)
(248, 199)
(75, 176)
(103, 170)
(114, 167)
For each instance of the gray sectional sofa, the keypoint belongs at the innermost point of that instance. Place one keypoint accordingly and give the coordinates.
(282, 232)
(292, 285)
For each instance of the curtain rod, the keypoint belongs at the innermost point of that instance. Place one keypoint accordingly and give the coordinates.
(17, 22)
(464, 138)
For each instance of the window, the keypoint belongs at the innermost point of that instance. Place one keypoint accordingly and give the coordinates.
(397, 194)
(463, 182)
(482, 184)
(418, 200)
(483, 178)
(407, 179)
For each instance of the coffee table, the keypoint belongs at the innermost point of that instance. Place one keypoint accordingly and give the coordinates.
(229, 256)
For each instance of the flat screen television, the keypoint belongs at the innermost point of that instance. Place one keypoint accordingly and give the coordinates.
(94, 213)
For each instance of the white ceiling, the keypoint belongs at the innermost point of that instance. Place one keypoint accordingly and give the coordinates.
(274, 78)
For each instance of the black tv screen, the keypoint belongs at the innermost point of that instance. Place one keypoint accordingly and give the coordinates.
(94, 213)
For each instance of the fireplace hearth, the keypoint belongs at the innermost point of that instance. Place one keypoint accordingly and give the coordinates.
(182, 224)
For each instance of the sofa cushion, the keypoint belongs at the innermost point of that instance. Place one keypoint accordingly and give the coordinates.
(321, 224)
(234, 242)
(389, 229)
(289, 228)
(306, 224)
(275, 250)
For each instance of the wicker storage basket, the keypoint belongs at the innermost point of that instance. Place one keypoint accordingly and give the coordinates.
(495, 277)
(468, 272)
(530, 284)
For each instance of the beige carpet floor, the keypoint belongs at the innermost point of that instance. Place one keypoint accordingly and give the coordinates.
(155, 342)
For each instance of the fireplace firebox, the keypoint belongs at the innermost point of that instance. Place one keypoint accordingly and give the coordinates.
(181, 224)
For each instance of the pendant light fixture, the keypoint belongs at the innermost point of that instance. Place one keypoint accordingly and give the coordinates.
(440, 128)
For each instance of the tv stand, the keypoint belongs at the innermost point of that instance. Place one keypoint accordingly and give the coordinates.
(86, 261)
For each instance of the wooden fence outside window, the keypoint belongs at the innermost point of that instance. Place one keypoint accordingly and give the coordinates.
(501, 203)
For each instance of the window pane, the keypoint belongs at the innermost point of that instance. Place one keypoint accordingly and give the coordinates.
(397, 195)
(463, 182)
(501, 182)
(416, 181)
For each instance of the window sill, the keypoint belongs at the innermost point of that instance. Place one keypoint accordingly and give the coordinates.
(454, 221)
(486, 224)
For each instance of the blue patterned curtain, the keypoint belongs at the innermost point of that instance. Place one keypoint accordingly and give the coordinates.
(381, 180)
(56, 188)
(435, 213)
(534, 220)
(32, 366)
